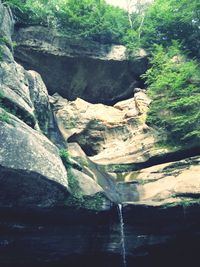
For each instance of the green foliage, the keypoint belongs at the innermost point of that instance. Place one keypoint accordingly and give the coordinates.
(163, 21)
(72, 181)
(4, 117)
(77, 199)
(132, 38)
(3, 41)
(88, 19)
(182, 202)
(73, 184)
(65, 158)
(174, 85)
(173, 20)
(88, 202)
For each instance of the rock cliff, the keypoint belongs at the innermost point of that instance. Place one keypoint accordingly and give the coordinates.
(68, 159)
(28, 159)
(115, 134)
(75, 68)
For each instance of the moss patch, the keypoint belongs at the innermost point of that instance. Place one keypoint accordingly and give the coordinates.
(94, 202)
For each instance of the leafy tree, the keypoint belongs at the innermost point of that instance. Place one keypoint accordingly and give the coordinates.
(90, 19)
(174, 85)
(137, 10)
(173, 20)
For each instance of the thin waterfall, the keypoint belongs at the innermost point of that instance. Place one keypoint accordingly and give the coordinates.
(123, 247)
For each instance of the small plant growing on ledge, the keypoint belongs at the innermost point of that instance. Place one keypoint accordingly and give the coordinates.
(3, 41)
(4, 117)
(73, 183)
(77, 199)
(64, 154)
(88, 202)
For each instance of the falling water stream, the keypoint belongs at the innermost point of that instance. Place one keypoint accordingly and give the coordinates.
(123, 247)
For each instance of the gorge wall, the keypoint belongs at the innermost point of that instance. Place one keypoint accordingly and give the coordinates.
(59, 208)
(94, 72)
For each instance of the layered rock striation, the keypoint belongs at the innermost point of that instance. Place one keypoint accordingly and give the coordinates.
(108, 134)
(32, 173)
(63, 211)
(94, 72)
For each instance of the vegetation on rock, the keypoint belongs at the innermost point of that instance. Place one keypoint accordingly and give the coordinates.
(89, 19)
(157, 23)
(3, 41)
(4, 117)
(173, 77)
(77, 199)
(94, 202)
(170, 20)
(174, 85)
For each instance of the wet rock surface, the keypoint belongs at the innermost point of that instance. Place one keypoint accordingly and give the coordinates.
(164, 184)
(90, 171)
(37, 227)
(85, 238)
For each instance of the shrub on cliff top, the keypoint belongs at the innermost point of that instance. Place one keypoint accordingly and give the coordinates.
(89, 19)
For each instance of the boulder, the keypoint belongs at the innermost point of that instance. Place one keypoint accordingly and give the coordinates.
(86, 193)
(108, 134)
(87, 185)
(15, 92)
(91, 178)
(22, 93)
(97, 73)
(172, 183)
(31, 171)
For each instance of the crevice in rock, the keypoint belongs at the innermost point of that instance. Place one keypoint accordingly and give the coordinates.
(13, 108)
(87, 148)
(86, 70)
(188, 195)
(53, 132)
(156, 160)
(86, 143)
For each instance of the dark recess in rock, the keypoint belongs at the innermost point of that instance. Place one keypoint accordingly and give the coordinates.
(78, 69)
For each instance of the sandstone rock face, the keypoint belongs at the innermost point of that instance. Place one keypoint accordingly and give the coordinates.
(169, 183)
(15, 91)
(31, 171)
(29, 162)
(87, 185)
(160, 204)
(22, 92)
(94, 72)
(91, 177)
(40, 99)
(109, 134)
(6, 23)
(28, 159)
(88, 194)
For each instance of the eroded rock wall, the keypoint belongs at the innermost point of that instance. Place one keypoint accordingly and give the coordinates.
(108, 134)
(31, 171)
(94, 72)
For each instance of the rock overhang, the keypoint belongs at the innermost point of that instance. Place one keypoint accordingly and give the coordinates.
(98, 73)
